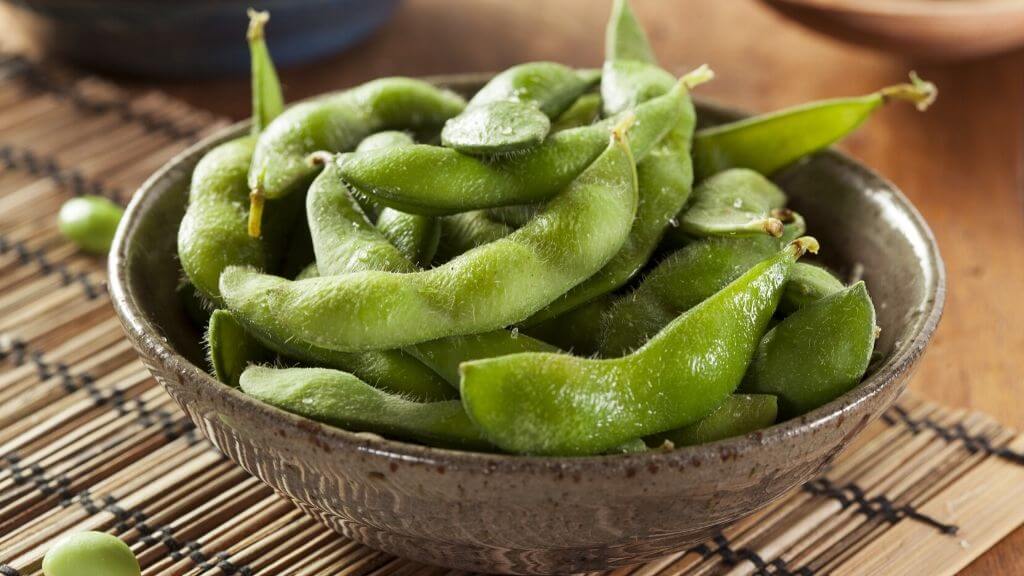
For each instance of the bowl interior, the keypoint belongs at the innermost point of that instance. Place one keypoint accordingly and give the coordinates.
(866, 227)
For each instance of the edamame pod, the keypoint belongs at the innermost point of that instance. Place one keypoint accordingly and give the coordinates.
(340, 399)
(230, 347)
(808, 283)
(444, 356)
(773, 141)
(267, 99)
(337, 123)
(500, 127)
(436, 180)
(556, 404)
(734, 202)
(740, 414)
(485, 289)
(625, 38)
(550, 86)
(817, 353)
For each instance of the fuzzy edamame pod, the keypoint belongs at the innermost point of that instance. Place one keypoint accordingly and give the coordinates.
(740, 414)
(435, 180)
(817, 353)
(337, 123)
(267, 99)
(340, 399)
(556, 404)
(769, 142)
(231, 348)
(734, 202)
(484, 289)
(624, 37)
(513, 111)
(807, 284)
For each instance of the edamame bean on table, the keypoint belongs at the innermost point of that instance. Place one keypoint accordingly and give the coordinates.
(558, 267)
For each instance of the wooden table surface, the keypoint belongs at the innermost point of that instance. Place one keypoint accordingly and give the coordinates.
(960, 163)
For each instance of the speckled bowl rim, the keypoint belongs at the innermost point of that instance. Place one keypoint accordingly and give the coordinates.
(147, 338)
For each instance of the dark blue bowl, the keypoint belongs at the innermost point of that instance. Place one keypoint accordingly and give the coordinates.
(192, 38)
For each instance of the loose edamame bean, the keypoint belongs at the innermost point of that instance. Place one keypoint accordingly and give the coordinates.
(773, 141)
(340, 399)
(90, 222)
(558, 404)
(484, 289)
(740, 414)
(337, 123)
(90, 554)
(817, 353)
(436, 180)
(231, 348)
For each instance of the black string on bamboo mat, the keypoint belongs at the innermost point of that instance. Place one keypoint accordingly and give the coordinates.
(879, 507)
(956, 433)
(6, 570)
(21, 158)
(39, 80)
(37, 256)
(733, 556)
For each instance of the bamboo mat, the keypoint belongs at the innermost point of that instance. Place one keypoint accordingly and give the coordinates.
(89, 441)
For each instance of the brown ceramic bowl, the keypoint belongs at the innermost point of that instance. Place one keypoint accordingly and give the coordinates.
(489, 512)
(931, 29)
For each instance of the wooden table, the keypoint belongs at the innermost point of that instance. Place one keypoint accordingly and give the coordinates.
(961, 162)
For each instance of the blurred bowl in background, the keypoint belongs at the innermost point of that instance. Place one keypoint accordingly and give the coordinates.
(930, 29)
(191, 38)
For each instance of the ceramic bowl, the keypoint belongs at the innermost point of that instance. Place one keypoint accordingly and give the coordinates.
(497, 513)
(192, 38)
(930, 29)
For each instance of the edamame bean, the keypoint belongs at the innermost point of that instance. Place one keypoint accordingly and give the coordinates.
(773, 141)
(734, 202)
(337, 123)
(90, 222)
(435, 180)
(340, 399)
(808, 283)
(556, 404)
(90, 554)
(740, 414)
(817, 353)
(484, 289)
(231, 348)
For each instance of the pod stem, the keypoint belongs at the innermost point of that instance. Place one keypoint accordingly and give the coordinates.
(256, 201)
(804, 244)
(257, 22)
(786, 215)
(320, 158)
(920, 93)
(697, 76)
(621, 128)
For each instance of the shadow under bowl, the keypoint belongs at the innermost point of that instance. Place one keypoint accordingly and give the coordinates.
(499, 513)
(928, 29)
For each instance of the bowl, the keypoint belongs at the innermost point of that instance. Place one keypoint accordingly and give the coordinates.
(191, 38)
(532, 515)
(930, 29)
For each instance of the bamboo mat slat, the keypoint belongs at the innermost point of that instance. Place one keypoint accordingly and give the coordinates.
(89, 441)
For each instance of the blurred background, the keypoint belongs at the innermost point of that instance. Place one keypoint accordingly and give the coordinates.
(960, 162)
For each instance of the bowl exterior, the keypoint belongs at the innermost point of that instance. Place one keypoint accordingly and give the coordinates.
(192, 39)
(529, 515)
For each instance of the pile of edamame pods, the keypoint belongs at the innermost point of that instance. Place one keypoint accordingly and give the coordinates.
(561, 265)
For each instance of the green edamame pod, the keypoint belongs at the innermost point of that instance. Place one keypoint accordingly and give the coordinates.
(740, 414)
(550, 86)
(231, 348)
(498, 127)
(90, 222)
(734, 202)
(444, 356)
(340, 399)
(556, 404)
(625, 38)
(626, 84)
(817, 353)
(471, 293)
(436, 180)
(583, 112)
(808, 283)
(773, 141)
(337, 123)
(344, 240)
(460, 233)
(267, 99)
